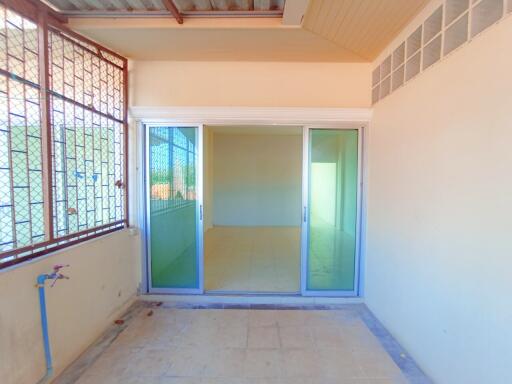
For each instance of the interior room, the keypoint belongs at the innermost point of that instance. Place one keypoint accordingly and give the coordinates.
(252, 209)
(255, 191)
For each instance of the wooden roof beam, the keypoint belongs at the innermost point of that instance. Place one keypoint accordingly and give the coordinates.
(171, 7)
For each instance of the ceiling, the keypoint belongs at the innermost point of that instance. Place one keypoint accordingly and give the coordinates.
(213, 40)
(309, 31)
(364, 27)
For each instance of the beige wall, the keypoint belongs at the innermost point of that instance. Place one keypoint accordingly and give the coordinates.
(439, 246)
(103, 281)
(250, 84)
(257, 180)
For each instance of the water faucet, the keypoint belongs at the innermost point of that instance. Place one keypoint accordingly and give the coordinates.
(56, 275)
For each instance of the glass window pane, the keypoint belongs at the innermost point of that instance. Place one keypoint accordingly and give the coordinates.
(333, 175)
(172, 198)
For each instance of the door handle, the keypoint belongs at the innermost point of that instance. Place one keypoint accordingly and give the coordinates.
(305, 214)
(201, 212)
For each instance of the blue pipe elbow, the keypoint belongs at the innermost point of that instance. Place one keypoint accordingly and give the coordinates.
(41, 279)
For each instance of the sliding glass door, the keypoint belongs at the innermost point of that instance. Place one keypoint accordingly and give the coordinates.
(174, 208)
(331, 212)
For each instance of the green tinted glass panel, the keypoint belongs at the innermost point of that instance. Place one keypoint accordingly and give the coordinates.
(173, 204)
(333, 175)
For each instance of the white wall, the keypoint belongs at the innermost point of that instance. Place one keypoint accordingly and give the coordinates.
(257, 180)
(103, 281)
(250, 84)
(439, 249)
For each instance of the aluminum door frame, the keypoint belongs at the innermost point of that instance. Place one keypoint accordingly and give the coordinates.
(306, 154)
(199, 209)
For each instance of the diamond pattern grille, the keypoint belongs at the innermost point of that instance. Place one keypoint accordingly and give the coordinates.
(79, 74)
(87, 165)
(87, 136)
(21, 187)
(85, 193)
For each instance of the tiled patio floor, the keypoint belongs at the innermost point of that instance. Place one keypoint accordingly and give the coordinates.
(186, 346)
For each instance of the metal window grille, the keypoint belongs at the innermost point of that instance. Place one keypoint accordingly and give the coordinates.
(63, 105)
(87, 137)
(21, 193)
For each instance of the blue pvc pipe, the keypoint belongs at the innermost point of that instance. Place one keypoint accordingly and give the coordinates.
(44, 323)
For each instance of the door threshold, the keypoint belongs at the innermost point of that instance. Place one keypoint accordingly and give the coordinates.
(230, 299)
(219, 292)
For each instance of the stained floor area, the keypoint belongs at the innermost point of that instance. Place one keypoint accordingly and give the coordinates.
(187, 346)
(252, 259)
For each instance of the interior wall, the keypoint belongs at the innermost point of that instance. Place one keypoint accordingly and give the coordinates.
(257, 180)
(439, 207)
(103, 282)
(250, 84)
